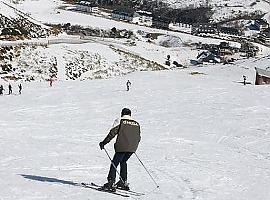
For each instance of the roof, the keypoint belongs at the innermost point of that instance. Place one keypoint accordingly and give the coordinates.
(86, 3)
(263, 63)
(123, 12)
(205, 25)
(263, 72)
(229, 29)
(144, 13)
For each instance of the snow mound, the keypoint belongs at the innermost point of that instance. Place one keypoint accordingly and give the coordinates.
(169, 41)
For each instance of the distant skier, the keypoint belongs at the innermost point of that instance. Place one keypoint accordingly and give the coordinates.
(1, 89)
(9, 89)
(127, 141)
(245, 78)
(51, 81)
(20, 88)
(128, 85)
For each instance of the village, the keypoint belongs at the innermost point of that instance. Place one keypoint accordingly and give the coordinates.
(247, 33)
(239, 39)
(255, 30)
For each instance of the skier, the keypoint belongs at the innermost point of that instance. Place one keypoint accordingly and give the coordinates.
(1, 89)
(50, 80)
(20, 88)
(128, 85)
(245, 78)
(127, 141)
(9, 89)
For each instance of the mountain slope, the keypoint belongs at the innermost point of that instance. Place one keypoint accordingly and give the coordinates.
(204, 136)
(16, 23)
(70, 62)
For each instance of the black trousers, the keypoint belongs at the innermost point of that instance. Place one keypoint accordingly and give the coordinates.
(122, 158)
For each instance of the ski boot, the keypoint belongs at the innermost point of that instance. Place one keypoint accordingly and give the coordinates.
(109, 187)
(122, 185)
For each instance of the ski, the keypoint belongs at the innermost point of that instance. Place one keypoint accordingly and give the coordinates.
(130, 192)
(98, 188)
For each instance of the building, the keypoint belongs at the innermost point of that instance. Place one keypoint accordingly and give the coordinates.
(249, 49)
(229, 31)
(261, 24)
(265, 36)
(125, 15)
(204, 28)
(262, 76)
(85, 6)
(142, 18)
(160, 22)
(225, 49)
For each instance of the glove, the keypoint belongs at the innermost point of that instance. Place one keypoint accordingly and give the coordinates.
(101, 145)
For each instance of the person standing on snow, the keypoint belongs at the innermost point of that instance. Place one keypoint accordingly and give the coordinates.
(1, 89)
(127, 141)
(128, 85)
(20, 88)
(9, 89)
(245, 78)
(50, 81)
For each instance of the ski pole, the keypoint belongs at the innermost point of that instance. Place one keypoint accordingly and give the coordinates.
(147, 171)
(113, 165)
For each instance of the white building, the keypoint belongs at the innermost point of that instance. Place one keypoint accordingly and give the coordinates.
(124, 15)
(85, 6)
(265, 36)
(142, 18)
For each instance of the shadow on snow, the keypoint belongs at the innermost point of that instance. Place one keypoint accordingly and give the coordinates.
(48, 179)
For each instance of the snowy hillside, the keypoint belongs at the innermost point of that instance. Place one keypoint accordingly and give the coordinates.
(86, 57)
(204, 136)
(225, 9)
(222, 10)
(71, 62)
(16, 22)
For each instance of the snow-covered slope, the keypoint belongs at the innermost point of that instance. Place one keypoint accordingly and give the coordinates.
(204, 136)
(222, 10)
(71, 61)
(97, 57)
(225, 9)
(12, 18)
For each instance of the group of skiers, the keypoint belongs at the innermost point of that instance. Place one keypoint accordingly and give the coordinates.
(10, 89)
(128, 83)
(127, 132)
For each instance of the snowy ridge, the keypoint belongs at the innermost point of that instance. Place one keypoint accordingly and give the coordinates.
(12, 18)
(9, 10)
(225, 9)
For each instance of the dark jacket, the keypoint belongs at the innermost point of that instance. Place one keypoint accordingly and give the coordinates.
(128, 134)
